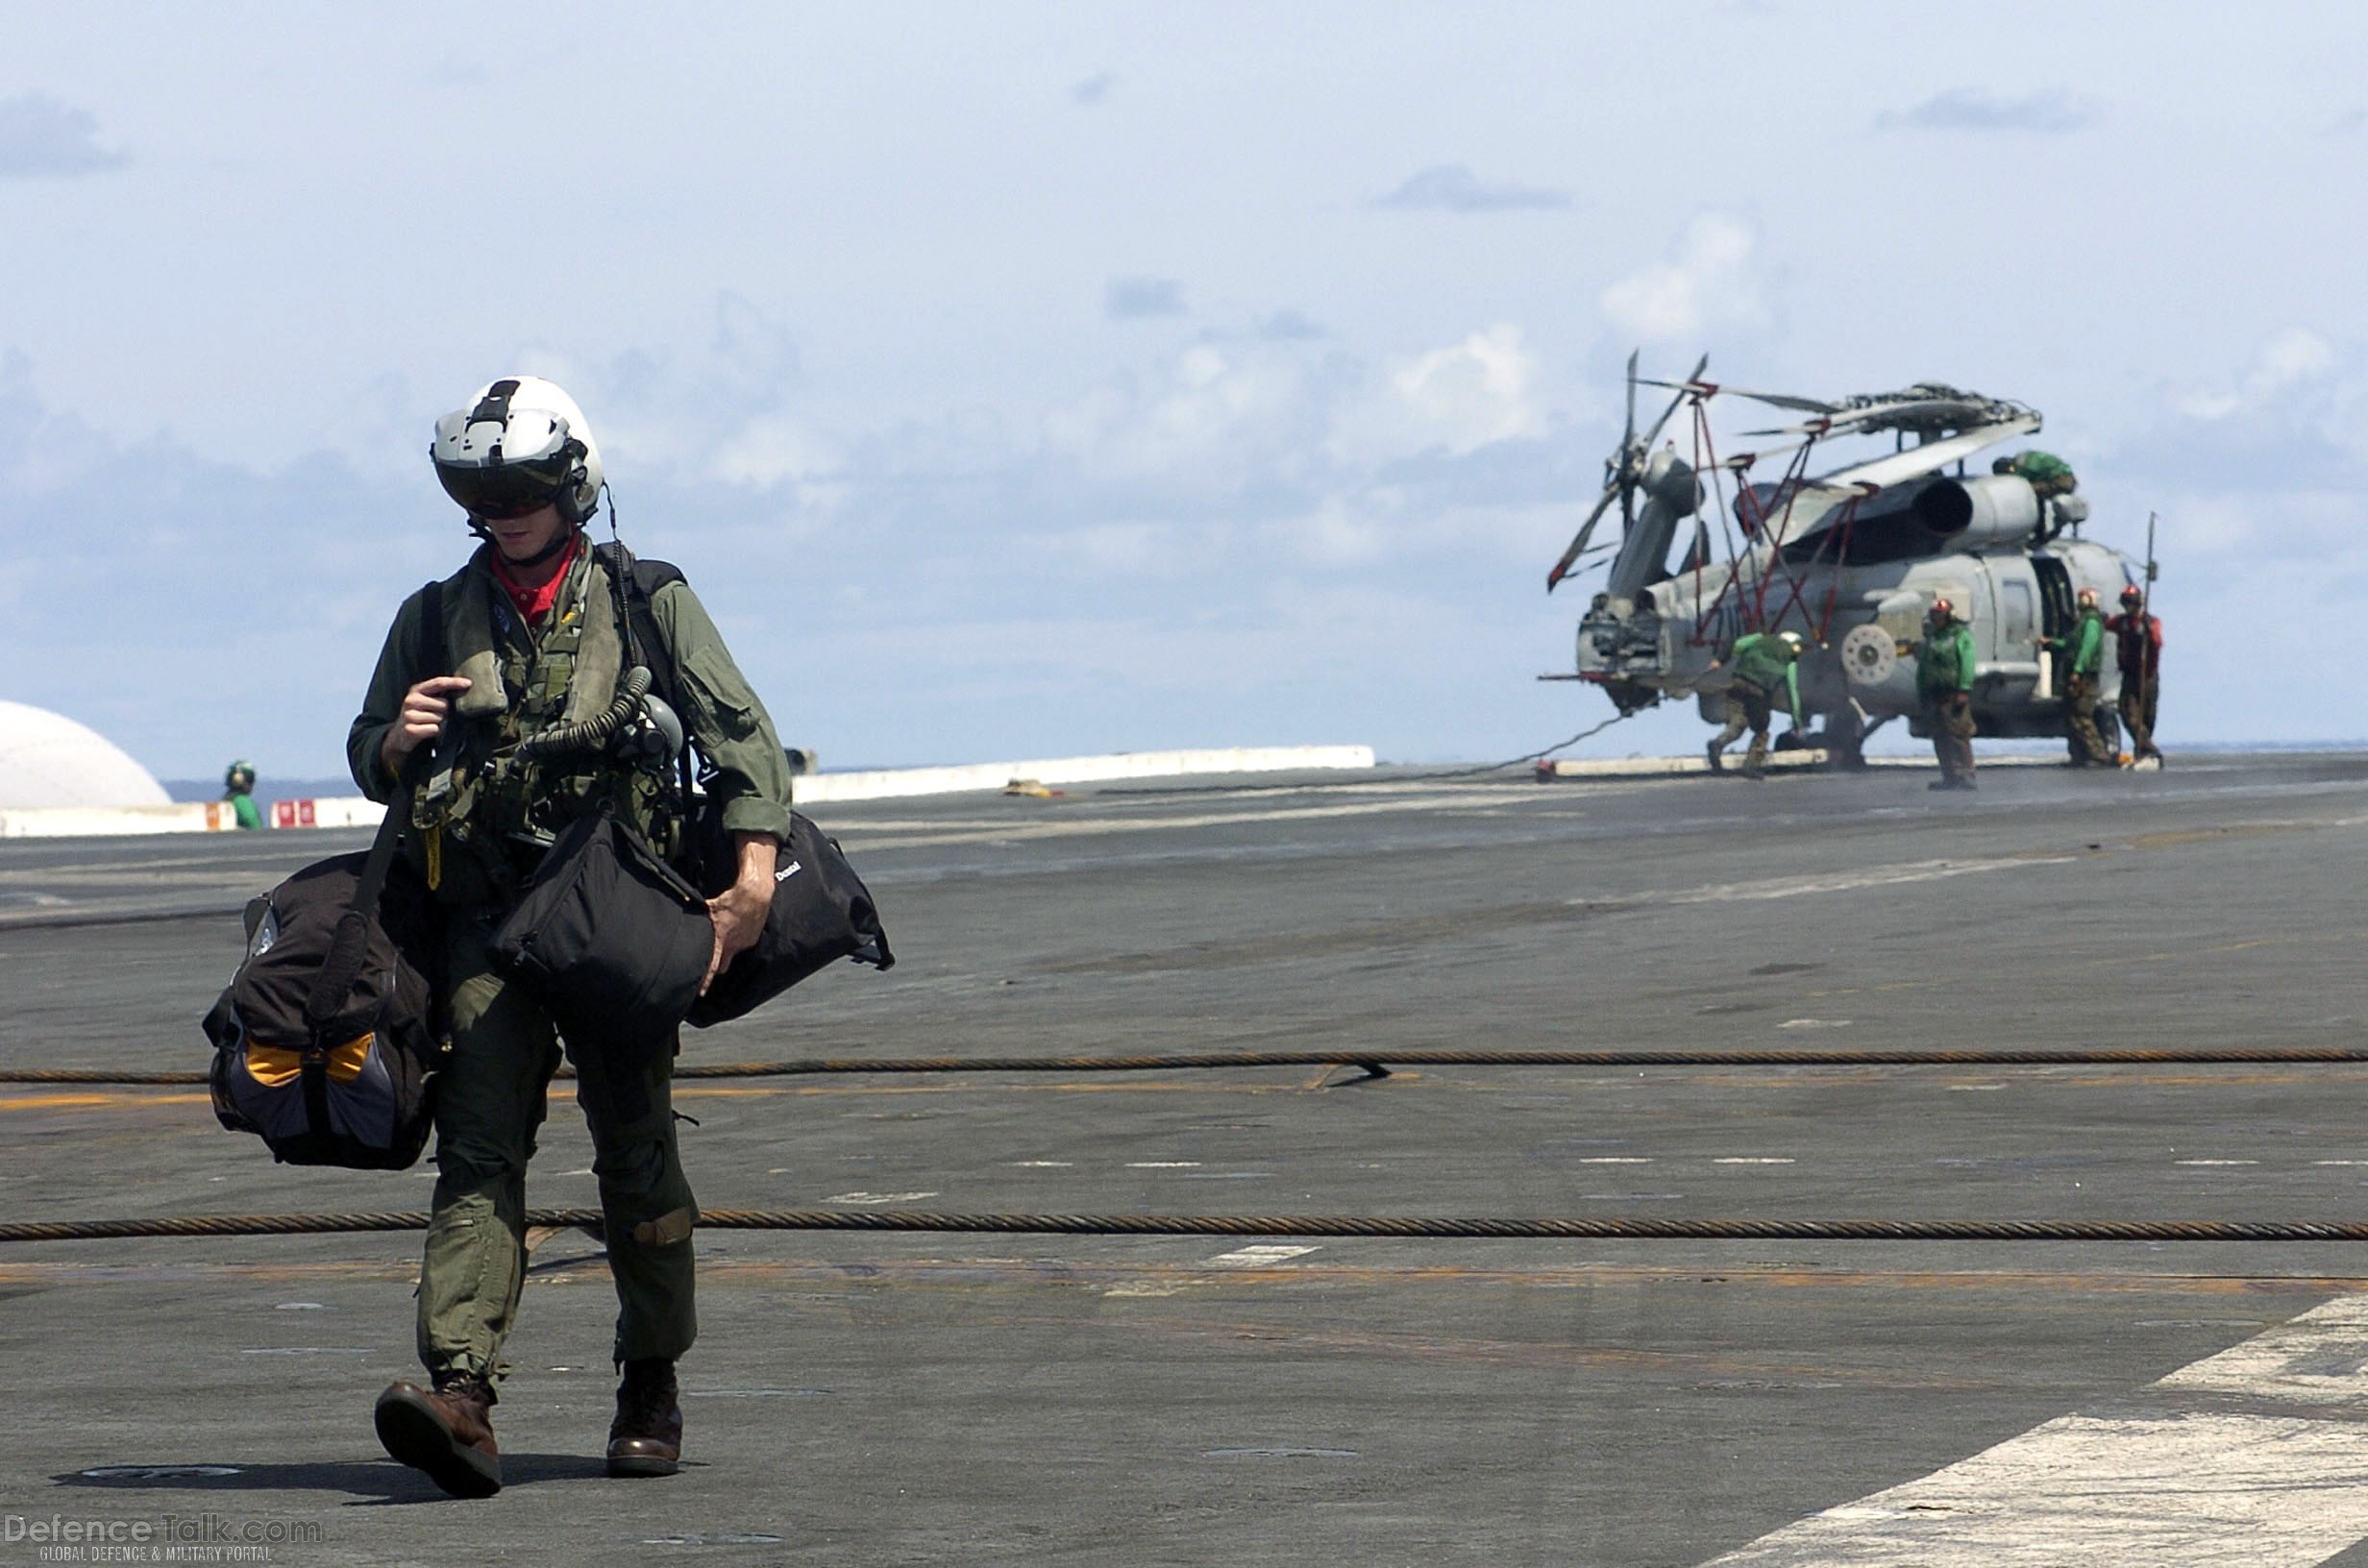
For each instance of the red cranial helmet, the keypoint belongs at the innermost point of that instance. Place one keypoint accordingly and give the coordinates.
(2088, 598)
(2133, 595)
(1941, 606)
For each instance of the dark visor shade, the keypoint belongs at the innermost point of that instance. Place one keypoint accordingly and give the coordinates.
(503, 489)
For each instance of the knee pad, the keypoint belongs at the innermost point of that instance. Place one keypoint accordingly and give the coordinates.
(468, 1164)
(635, 1171)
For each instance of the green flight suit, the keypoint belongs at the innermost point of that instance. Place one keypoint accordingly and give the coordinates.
(492, 1091)
(1761, 661)
(1944, 670)
(2083, 659)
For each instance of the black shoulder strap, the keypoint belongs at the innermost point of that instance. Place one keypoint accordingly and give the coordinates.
(351, 944)
(638, 581)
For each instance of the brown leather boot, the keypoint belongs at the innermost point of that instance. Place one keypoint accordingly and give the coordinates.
(646, 1439)
(447, 1432)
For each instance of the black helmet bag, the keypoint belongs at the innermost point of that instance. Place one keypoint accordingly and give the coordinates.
(327, 1039)
(820, 912)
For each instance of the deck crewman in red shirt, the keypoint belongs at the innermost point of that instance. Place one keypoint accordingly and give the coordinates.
(2140, 653)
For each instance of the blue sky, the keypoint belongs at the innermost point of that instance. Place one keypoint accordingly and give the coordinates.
(1023, 380)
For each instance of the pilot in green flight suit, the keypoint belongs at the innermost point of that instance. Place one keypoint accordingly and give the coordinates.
(1761, 661)
(1944, 668)
(2081, 657)
(532, 638)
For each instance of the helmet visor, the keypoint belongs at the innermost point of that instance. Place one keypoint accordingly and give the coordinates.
(502, 490)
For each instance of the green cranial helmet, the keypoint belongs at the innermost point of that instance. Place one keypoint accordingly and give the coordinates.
(239, 776)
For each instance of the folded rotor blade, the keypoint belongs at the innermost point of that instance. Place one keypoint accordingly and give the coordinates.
(1928, 459)
(1701, 365)
(1880, 416)
(1628, 434)
(1699, 556)
(1587, 531)
(1780, 400)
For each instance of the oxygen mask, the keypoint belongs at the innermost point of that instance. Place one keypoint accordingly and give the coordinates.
(653, 738)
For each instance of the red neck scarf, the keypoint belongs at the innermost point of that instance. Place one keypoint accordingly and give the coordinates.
(533, 603)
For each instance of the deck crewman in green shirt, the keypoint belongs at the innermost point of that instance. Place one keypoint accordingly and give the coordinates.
(238, 789)
(1761, 661)
(2048, 475)
(533, 637)
(2080, 659)
(1944, 685)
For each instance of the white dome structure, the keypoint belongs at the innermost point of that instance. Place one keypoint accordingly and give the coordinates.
(47, 759)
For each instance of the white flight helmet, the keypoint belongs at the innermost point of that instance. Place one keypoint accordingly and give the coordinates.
(521, 443)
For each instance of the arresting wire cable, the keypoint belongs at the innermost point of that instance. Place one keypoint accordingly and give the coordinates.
(1376, 1062)
(1476, 1227)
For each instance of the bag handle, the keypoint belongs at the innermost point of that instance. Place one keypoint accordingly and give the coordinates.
(351, 942)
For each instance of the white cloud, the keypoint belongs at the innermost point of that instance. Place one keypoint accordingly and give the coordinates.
(1117, 549)
(2318, 526)
(1209, 422)
(715, 411)
(1710, 283)
(773, 448)
(1471, 393)
(2292, 358)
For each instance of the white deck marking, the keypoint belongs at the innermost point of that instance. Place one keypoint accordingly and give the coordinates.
(2173, 1476)
(1873, 876)
(1162, 1165)
(2215, 1162)
(1752, 1159)
(875, 1199)
(1615, 1159)
(1262, 1256)
(1097, 826)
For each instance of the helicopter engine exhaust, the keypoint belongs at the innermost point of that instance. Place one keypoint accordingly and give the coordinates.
(1990, 512)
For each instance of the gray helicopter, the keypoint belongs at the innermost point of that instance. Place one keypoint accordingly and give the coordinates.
(1851, 559)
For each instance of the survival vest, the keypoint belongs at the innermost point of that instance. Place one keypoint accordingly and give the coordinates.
(489, 807)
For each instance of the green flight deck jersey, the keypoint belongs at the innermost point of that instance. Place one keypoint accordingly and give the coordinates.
(478, 817)
(244, 809)
(1764, 660)
(2042, 467)
(1944, 662)
(2084, 650)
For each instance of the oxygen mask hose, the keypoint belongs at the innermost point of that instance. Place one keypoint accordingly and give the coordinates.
(595, 733)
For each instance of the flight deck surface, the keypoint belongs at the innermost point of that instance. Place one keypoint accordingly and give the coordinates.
(920, 1398)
